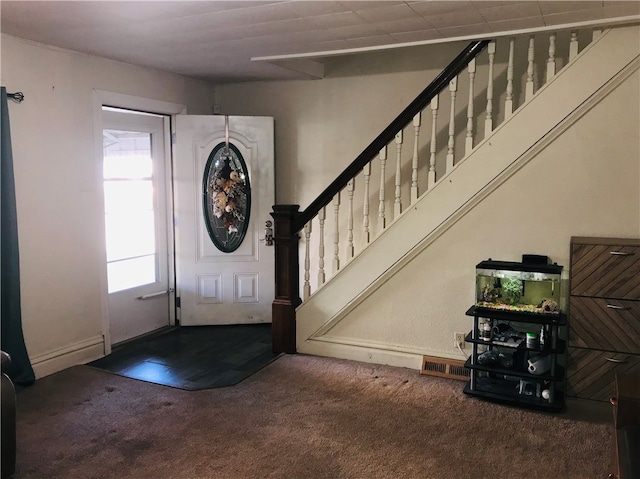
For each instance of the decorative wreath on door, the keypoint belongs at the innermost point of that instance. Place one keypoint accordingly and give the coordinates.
(227, 197)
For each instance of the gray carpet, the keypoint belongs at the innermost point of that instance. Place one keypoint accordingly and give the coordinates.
(299, 417)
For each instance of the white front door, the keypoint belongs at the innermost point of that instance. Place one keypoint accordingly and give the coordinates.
(224, 193)
(136, 222)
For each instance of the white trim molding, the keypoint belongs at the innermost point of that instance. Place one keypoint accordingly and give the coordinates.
(77, 353)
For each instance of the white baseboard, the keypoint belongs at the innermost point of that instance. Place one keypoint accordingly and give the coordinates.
(361, 352)
(78, 353)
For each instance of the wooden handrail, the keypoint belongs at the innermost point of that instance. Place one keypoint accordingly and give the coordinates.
(403, 119)
(288, 221)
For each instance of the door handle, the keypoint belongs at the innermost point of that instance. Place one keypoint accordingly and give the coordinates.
(268, 233)
(617, 361)
(156, 294)
(613, 306)
(620, 253)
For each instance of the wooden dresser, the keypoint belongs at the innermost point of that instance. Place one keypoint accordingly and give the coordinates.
(626, 420)
(604, 315)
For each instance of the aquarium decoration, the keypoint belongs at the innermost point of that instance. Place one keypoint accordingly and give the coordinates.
(529, 287)
(512, 288)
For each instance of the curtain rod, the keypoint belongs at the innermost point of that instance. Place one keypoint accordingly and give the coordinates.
(17, 96)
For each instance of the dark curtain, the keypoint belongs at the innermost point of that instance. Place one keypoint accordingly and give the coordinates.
(11, 336)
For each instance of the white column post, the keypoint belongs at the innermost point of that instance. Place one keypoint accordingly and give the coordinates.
(414, 164)
(322, 214)
(451, 144)
(350, 189)
(488, 123)
(468, 145)
(381, 208)
(307, 261)
(530, 58)
(366, 172)
(551, 61)
(431, 178)
(336, 233)
(508, 104)
(397, 204)
(573, 46)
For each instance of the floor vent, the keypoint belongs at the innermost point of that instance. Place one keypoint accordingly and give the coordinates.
(445, 368)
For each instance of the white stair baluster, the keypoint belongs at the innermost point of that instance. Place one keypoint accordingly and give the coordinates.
(508, 104)
(488, 123)
(381, 212)
(414, 164)
(397, 204)
(350, 189)
(322, 214)
(551, 61)
(530, 58)
(468, 145)
(366, 172)
(453, 89)
(573, 46)
(336, 233)
(431, 178)
(307, 261)
(595, 34)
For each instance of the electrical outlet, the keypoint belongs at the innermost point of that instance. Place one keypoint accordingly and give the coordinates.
(458, 340)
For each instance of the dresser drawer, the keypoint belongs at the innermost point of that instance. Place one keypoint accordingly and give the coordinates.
(591, 373)
(606, 270)
(608, 324)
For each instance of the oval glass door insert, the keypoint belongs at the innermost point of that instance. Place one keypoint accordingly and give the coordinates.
(226, 197)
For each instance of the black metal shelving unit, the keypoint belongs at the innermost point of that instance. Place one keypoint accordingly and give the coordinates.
(513, 383)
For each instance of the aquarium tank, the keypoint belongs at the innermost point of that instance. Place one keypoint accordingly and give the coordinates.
(531, 286)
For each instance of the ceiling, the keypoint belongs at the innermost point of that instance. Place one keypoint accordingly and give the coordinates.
(234, 41)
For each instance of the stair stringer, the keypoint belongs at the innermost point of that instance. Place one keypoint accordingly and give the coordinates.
(576, 89)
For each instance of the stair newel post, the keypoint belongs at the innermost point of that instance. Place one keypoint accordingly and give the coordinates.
(573, 46)
(306, 289)
(551, 61)
(366, 172)
(287, 273)
(530, 68)
(488, 123)
(381, 195)
(431, 175)
(508, 104)
(453, 90)
(415, 160)
(468, 143)
(397, 204)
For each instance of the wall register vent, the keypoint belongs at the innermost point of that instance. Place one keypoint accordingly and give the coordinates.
(445, 368)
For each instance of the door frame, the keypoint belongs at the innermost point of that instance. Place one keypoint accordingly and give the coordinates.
(129, 102)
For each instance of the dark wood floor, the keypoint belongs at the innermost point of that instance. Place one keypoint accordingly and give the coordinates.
(195, 357)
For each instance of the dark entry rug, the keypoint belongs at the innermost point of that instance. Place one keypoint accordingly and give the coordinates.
(194, 357)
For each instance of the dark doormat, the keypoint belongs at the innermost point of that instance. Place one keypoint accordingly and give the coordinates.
(194, 357)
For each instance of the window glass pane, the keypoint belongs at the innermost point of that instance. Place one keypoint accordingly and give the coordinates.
(124, 196)
(130, 235)
(127, 154)
(128, 166)
(131, 273)
(129, 209)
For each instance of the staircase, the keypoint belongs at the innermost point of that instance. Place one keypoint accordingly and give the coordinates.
(374, 293)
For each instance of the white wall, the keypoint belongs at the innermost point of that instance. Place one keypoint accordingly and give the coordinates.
(60, 215)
